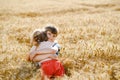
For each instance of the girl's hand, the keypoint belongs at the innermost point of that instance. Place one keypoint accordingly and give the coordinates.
(32, 56)
(53, 57)
(28, 57)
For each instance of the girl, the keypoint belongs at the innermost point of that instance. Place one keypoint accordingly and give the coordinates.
(37, 38)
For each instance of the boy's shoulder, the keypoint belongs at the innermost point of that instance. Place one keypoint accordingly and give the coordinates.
(46, 43)
(56, 44)
(58, 47)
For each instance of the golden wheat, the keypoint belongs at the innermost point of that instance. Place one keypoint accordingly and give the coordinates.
(89, 34)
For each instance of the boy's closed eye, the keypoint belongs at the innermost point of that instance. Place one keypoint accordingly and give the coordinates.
(49, 33)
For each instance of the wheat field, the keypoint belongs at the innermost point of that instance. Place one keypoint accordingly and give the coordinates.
(89, 35)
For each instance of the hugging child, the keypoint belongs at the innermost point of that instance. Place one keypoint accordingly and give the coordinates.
(45, 51)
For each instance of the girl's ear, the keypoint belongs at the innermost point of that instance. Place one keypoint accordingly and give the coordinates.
(46, 39)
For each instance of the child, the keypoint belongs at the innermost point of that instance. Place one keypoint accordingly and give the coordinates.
(50, 30)
(51, 68)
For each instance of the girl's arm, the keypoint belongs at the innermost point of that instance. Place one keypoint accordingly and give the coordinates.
(38, 58)
(28, 57)
(51, 50)
(44, 51)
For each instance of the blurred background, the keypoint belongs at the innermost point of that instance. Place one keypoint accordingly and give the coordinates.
(89, 35)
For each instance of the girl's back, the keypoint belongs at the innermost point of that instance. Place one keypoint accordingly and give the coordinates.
(43, 46)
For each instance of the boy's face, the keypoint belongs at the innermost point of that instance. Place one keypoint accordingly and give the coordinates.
(51, 36)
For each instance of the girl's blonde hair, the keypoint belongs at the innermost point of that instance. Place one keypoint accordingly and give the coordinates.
(38, 36)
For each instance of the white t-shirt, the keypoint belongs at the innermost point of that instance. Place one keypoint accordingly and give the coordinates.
(44, 45)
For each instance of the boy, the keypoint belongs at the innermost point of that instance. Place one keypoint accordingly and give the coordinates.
(52, 34)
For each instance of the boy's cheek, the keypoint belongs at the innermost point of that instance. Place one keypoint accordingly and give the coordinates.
(49, 37)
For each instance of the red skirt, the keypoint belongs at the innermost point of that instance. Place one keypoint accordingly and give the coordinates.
(52, 68)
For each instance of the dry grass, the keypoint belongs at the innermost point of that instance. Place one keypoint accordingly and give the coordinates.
(89, 36)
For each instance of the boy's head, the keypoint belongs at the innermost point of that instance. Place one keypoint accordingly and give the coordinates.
(51, 32)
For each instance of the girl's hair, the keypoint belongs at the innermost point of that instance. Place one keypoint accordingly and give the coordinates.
(39, 36)
(52, 29)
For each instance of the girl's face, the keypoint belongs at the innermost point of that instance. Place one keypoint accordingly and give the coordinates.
(51, 36)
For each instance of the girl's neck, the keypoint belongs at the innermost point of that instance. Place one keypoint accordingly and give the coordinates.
(36, 45)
